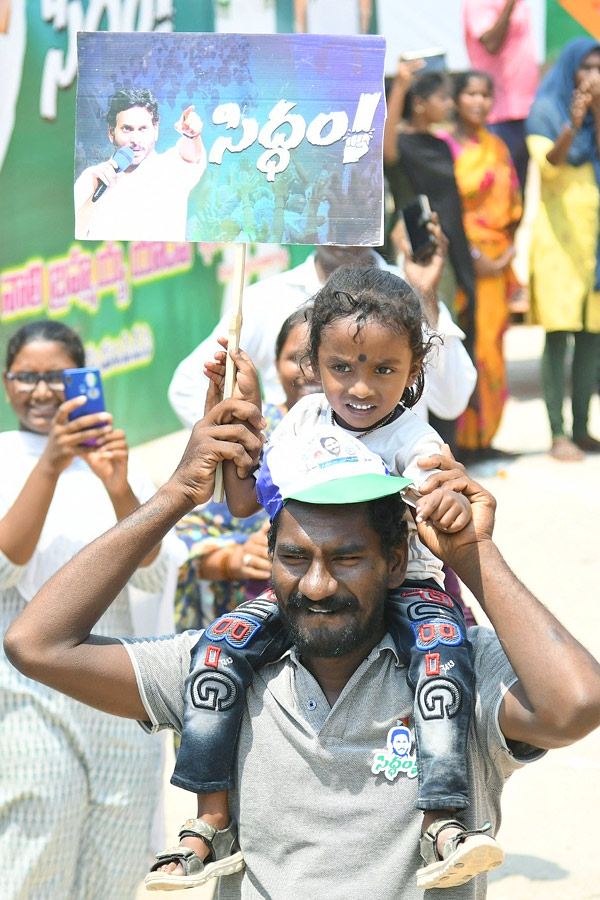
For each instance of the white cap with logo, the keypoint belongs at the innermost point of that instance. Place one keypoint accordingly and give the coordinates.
(329, 466)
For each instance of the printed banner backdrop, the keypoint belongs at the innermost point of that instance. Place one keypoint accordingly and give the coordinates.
(140, 307)
(586, 12)
(565, 23)
(292, 126)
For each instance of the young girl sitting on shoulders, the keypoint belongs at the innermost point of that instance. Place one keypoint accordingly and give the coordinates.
(367, 347)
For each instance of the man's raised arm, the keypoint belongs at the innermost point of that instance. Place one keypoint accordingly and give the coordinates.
(556, 700)
(51, 640)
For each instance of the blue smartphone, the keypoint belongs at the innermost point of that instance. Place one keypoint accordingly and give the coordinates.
(84, 382)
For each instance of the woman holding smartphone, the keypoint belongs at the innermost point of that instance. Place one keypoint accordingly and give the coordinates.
(77, 789)
(418, 162)
(563, 138)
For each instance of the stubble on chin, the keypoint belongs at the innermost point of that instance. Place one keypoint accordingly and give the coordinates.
(326, 642)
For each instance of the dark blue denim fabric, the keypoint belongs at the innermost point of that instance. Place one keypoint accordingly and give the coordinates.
(222, 667)
(428, 629)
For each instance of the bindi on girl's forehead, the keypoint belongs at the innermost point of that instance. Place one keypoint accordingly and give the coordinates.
(362, 357)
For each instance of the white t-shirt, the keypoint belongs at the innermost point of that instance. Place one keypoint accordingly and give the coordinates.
(450, 375)
(148, 204)
(79, 512)
(400, 444)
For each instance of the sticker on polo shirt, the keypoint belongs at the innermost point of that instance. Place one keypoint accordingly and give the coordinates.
(399, 757)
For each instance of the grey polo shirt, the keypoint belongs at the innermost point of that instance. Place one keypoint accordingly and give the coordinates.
(319, 817)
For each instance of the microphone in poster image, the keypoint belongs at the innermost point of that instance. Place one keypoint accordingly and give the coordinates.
(121, 160)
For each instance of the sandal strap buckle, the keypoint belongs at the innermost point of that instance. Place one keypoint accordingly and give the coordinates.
(428, 842)
(203, 830)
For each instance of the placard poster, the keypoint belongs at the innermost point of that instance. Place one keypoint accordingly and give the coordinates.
(271, 138)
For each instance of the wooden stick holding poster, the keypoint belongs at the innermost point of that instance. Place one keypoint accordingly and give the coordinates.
(267, 138)
(235, 327)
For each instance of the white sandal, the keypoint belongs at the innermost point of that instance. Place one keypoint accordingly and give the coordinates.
(224, 858)
(463, 856)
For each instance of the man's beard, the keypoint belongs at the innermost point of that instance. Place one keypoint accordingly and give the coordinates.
(327, 642)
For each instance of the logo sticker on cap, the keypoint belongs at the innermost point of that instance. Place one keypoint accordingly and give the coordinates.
(329, 466)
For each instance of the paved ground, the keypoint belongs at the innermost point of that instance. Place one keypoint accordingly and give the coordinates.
(548, 528)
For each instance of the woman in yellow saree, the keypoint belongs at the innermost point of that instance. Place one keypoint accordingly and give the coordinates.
(492, 208)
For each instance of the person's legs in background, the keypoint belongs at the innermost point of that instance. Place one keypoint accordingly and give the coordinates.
(553, 379)
(513, 134)
(553, 383)
(585, 367)
(479, 423)
(446, 428)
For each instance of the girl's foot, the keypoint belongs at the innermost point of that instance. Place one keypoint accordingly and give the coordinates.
(204, 852)
(194, 843)
(454, 855)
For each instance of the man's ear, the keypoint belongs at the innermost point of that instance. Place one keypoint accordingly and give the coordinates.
(111, 134)
(397, 565)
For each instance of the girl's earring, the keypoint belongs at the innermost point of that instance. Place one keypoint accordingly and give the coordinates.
(406, 398)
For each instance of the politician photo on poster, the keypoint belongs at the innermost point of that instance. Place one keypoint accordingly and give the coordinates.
(229, 137)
